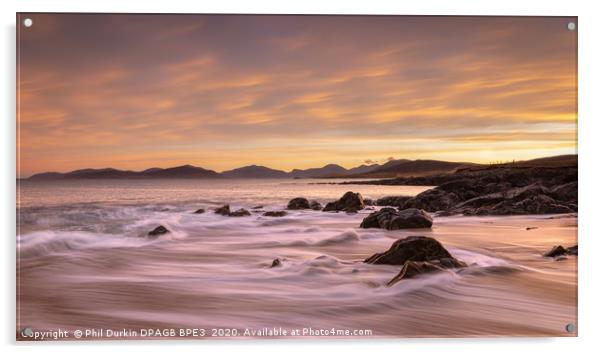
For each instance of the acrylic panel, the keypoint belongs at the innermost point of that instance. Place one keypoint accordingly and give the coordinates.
(295, 176)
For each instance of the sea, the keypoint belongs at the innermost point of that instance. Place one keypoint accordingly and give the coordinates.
(84, 263)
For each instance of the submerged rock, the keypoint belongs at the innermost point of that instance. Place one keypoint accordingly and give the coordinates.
(276, 263)
(349, 202)
(199, 211)
(278, 213)
(411, 269)
(392, 219)
(257, 207)
(298, 203)
(418, 255)
(240, 212)
(315, 205)
(558, 250)
(158, 231)
(224, 210)
(414, 248)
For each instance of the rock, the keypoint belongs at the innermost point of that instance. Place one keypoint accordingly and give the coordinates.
(529, 228)
(224, 210)
(276, 263)
(298, 203)
(257, 207)
(349, 202)
(199, 211)
(392, 219)
(432, 200)
(558, 250)
(368, 202)
(275, 213)
(315, 205)
(411, 269)
(397, 201)
(158, 231)
(415, 248)
(240, 212)
(566, 192)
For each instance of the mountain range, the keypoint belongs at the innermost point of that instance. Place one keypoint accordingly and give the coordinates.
(393, 168)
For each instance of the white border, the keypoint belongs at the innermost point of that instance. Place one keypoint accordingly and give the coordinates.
(590, 116)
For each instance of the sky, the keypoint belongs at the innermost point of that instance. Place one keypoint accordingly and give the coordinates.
(221, 92)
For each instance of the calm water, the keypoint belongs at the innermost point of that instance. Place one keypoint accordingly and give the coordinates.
(82, 263)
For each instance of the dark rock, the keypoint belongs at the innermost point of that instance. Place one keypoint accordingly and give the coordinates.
(349, 202)
(275, 213)
(368, 202)
(411, 269)
(433, 200)
(392, 219)
(415, 248)
(315, 205)
(199, 211)
(240, 212)
(158, 231)
(529, 228)
(276, 263)
(558, 250)
(257, 207)
(397, 201)
(224, 210)
(298, 203)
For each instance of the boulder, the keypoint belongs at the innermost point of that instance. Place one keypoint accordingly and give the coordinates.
(397, 201)
(199, 211)
(278, 213)
(558, 250)
(432, 200)
(224, 210)
(368, 202)
(240, 212)
(349, 202)
(158, 231)
(415, 248)
(392, 219)
(315, 205)
(298, 203)
(276, 263)
(417, 255)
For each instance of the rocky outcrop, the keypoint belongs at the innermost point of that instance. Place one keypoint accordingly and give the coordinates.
(395, 200)
(558, 250)
(393, 219)
(350, 202)
(240, 212)
(223, 210)
(507, 190)
(278, 213)
(368, 202)
(298, 203)
(158, 231)
(417, 255)
(531, 199)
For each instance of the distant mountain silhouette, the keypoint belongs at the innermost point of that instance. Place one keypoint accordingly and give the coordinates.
(329, 170)
(255, 171)
(394, 168)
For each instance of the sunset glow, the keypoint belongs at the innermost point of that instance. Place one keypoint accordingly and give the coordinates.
(220, 92)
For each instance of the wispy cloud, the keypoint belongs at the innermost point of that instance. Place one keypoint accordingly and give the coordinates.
(135, 91)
